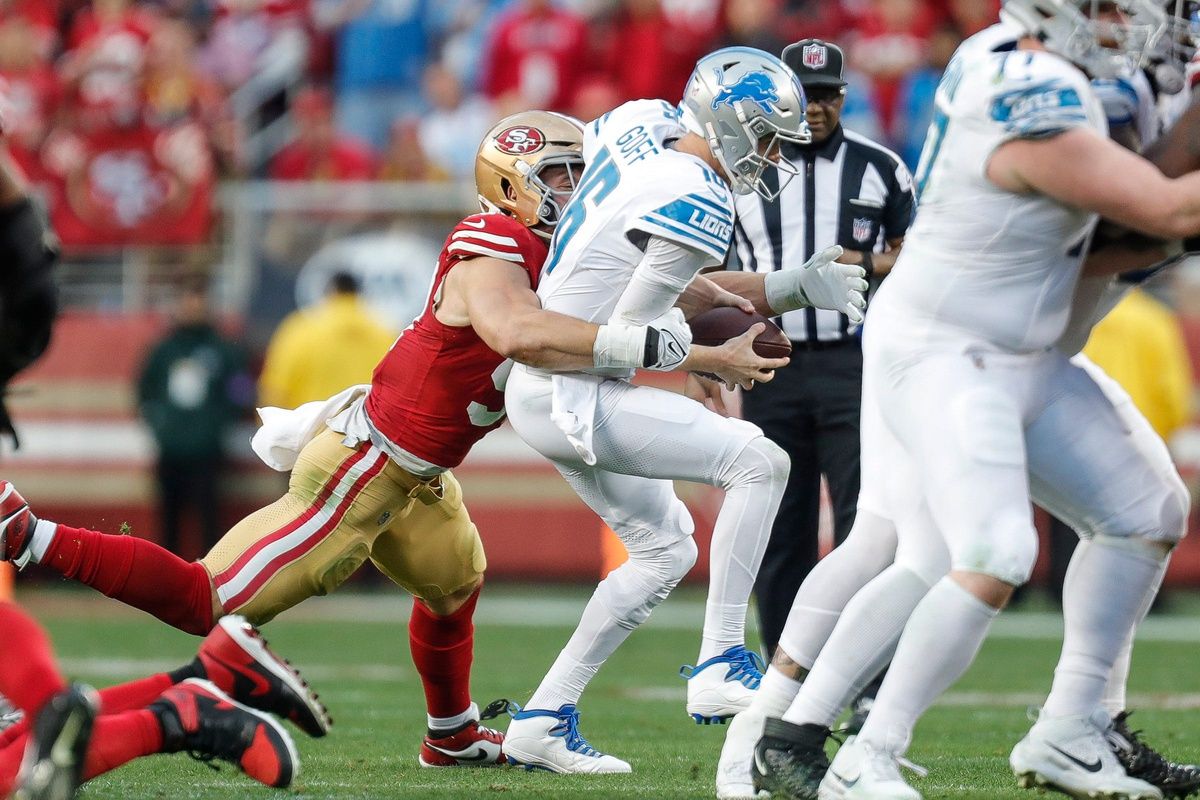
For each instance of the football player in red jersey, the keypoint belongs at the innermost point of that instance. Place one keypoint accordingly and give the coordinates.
(375, 481)
(210, 707)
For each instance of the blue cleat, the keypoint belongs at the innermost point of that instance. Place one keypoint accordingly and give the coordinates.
(550, 740)
(716, 694)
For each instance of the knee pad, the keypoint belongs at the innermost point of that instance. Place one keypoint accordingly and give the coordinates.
(1006, 550)
(760, 461)
(1174, 511)
(1160, 516)
(634, 589)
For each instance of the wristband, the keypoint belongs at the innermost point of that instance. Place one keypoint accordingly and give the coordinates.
(621, 346)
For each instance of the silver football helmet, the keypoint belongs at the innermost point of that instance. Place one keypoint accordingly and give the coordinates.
(1085, 32)
(745, 103)
(1169, 57)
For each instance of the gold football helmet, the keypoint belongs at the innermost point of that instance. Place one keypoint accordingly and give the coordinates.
(511, 160)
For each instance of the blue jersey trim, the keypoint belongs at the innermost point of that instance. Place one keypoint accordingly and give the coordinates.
(708, 244)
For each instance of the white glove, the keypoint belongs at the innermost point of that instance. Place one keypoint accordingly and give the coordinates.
(674, 340)
(837, 287)
(662, 344)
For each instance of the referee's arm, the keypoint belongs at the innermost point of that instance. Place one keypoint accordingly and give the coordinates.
(898, 212)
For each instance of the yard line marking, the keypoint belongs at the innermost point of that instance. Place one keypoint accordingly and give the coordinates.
(1161, 702)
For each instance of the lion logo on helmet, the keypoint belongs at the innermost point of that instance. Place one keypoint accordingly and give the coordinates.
(757, 87)
(520, 140)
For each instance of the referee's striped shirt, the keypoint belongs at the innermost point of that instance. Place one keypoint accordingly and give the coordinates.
(849, 191)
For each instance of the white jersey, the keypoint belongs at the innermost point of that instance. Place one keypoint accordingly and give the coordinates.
(634, 187)
(978, 258)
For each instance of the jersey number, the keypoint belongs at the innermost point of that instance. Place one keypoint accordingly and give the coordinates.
(601, 177)
(937, 128)
(479, 414)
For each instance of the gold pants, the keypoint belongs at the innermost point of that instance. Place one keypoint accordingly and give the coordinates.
(343, 506)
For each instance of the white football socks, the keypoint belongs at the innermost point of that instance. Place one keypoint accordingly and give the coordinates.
(775, 693)
(939, 642)
(1118, 679)
(860, 646)
(1105, 595)
(869, 549)
(753, 486)
(43, 536)
(599, 635)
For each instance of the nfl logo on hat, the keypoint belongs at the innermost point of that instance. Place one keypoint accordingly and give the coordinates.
(814, 56)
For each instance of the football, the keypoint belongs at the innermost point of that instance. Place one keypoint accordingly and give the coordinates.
(719, 325)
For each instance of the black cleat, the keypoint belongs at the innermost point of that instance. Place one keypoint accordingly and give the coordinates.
(1142, 761)
(790, 760)
(53, 765)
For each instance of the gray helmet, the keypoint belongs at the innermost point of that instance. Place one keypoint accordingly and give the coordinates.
(745, 102)
(1169, 57)
(1077, 31)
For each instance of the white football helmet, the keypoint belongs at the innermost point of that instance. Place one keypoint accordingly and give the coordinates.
(1084, 32)
(745, 102)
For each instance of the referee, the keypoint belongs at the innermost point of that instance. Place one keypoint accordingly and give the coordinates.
(850, 191)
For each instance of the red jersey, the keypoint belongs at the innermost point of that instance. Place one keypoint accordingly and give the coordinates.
(440, 389)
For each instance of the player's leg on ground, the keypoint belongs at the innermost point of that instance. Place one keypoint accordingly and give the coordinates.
(313, 538)
(660, 435)
(867, 551)
(969, 462)
(546, 734)
(434, 552)
(1104, 471)
(781, 410)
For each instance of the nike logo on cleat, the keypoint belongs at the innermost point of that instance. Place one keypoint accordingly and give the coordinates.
(845, 781)
(1093, 767)
(462, 755)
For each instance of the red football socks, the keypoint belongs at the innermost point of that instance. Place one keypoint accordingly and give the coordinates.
(138, 573)
(135, 694)
(442, 650)
(29, 675)
(119, 738)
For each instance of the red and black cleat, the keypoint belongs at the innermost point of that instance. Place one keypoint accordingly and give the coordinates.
(472, 746)
(201, 720)
(237, 659)
(16, 526)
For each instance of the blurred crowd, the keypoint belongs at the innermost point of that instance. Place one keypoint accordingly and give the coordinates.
(125, 112)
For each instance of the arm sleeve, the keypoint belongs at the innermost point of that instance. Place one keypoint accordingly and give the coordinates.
(663, 273)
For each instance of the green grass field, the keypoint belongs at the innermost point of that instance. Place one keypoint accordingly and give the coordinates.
(354, 650)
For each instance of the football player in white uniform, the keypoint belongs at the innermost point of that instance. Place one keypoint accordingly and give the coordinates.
(1016, 137)
(866, 639)
(653, 208)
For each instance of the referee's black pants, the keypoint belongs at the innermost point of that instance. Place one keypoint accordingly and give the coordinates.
(811, 409)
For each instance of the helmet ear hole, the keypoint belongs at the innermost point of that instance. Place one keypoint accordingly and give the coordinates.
(507, 187)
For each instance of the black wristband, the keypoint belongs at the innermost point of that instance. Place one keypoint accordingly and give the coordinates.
(868, 263)
(650, 355)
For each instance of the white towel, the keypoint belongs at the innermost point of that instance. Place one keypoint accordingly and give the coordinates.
(573, 410)
(285, 432)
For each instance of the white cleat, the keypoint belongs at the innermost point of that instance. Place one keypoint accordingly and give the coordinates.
(734, 781)
(723, 685)
(1071, 755)
(860, 772)
(550, 740)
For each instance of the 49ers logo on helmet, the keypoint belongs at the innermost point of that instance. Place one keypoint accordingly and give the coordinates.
(521, 140)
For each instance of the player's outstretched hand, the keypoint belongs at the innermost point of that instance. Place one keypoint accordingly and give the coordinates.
(735, 363)
(830, 284)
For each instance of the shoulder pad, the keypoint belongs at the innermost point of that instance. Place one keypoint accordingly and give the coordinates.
(1038, 95)
(494, 235)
